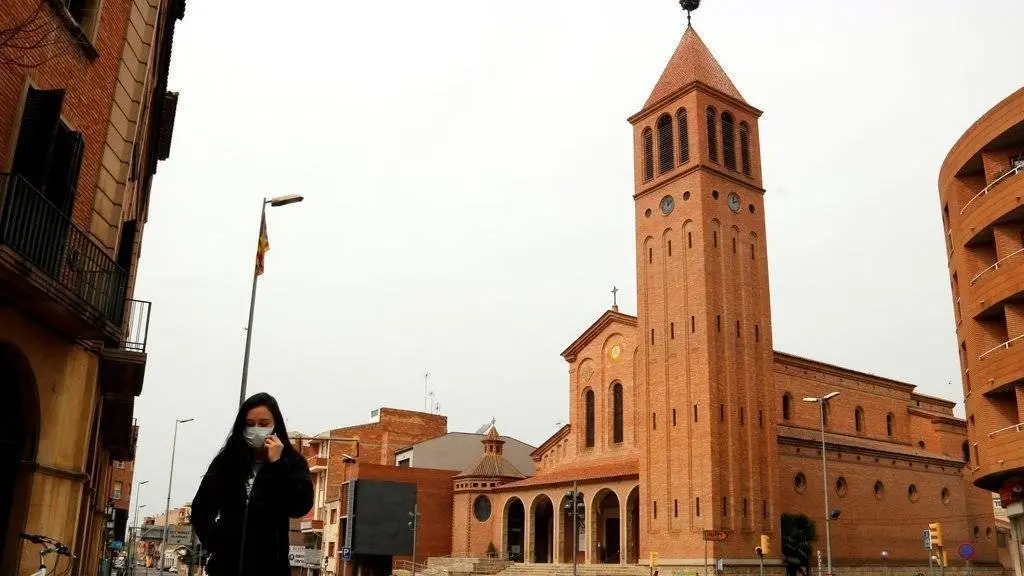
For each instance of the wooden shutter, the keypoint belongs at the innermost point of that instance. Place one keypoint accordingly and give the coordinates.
(124, 251)
(36, 135)
(65, 166)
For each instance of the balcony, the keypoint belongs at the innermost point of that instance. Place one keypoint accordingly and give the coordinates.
(53, 271)
(317, 463)
(997, 283)
(1000, 366)
(1000, 200)
(307, 526)
(1001, 455)
(121, 374)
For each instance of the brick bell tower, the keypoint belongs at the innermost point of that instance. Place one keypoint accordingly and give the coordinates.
(708, 456)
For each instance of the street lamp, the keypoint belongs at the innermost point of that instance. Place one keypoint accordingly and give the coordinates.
(273, 202)
(824, 475)
(138, 499)
(885, 556)
(170, 480)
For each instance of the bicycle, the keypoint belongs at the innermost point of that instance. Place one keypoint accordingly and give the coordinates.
(48, 546)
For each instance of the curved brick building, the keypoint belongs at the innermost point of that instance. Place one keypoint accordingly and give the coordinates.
(981, 186)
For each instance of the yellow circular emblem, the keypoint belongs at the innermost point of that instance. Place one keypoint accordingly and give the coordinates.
(615, 353)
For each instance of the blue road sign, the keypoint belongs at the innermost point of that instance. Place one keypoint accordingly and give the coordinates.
(926, 537)
(966, 550)
(346, 554)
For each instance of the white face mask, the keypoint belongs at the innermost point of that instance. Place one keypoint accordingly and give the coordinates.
(255, 435)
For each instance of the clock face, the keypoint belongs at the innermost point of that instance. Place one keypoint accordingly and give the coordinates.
(734, 202)
(667, 204)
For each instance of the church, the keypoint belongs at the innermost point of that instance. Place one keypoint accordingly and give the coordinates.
(689, 435)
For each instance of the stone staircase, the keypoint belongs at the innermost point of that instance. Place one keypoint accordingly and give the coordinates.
(581, 570)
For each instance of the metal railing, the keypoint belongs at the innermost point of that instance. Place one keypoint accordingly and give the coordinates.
(1005, 345)
(136, 326)
(995, 266)
(1015, 428)
(45, 236)
(1016, 169)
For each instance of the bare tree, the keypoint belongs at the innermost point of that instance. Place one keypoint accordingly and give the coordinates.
(34, 40)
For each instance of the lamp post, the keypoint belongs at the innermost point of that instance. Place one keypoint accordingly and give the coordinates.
(138, 505)
(824, 475)
(885, 556)
(575, 501)
(170, 480)
(273, 203)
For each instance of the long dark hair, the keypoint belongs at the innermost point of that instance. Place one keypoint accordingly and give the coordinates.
(236, 456)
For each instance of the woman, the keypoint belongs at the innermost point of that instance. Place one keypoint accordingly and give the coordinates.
(254, 484)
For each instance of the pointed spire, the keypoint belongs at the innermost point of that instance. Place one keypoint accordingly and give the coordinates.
(692, 62)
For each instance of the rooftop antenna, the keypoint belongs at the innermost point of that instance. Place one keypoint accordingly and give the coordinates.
(689, 6)
(426, 391)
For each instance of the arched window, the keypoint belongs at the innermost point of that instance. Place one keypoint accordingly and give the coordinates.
(825, 409)
(787, 406)
(589, 408)
(858, 419)
(889, 421)
(666, 151)
(728, 141)
(966, 452)
(712, 135)
(617, 413)
(648, 142)
(745, 147)
(684, 136)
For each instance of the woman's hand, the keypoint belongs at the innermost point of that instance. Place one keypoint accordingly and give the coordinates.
(274, 448)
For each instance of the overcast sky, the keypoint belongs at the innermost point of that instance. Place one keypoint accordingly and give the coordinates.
(467, 170)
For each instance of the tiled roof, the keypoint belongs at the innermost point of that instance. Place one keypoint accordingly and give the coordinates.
(608, 469)
(491, 465)
(839, 441)
(692, 62)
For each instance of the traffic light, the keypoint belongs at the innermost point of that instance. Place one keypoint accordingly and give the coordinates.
(766, 544)
(935, 531)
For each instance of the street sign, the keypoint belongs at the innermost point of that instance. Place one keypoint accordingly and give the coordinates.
(966, 550)
(346, 554)
(715, 535)
(927, 539)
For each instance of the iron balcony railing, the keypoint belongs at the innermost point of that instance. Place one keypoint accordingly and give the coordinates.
(1017, 168)
(136, 326)
(45, 236)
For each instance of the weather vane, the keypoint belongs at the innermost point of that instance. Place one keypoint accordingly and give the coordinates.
(689, 6)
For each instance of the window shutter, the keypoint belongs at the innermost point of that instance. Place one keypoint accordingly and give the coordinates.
(36, 135)
(127, 246)
(65, 166)
(167, 114)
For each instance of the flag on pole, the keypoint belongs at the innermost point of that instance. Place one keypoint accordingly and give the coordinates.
(262, 247)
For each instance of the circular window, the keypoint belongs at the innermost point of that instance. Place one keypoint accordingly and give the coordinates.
(945, 496)
(482, 508)
(647, 213)
(751, 208)
(912, 493)
(879, 489)
(686, 195)
(714, 194)
(800, 482)
(841, 486)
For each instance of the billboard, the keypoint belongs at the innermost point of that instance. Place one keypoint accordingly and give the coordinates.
(381, 513)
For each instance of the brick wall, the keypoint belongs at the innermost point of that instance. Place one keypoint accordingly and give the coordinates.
(434, 498)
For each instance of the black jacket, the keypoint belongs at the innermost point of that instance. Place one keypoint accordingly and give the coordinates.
(250, 540)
